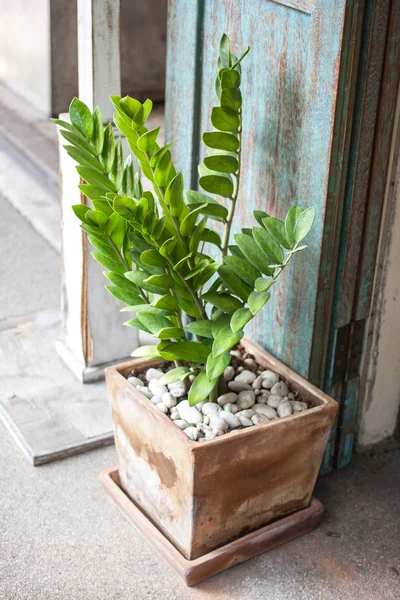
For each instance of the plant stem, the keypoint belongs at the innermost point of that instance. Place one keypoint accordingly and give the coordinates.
(231, 213)
(213, 394)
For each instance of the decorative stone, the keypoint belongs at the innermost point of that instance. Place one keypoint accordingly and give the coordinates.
(229, 373)
(269, 379)
(229, 397)
(135, 381)
(259, 419)
(298, 406)
(174, 416)
(257, 383)
(178, 391)
(246, 377)
(189, 413)
(274, 400)
(245, 421)
(155, 388)
(291, 396)
(238, 386)
(161, 406)
(250, 362)
(153, 374)
(206, 420)
(232, 408)
(247, 412)
(235, 353)
(284, 409)
(210, 435)
(145, 390)
(156, 399)
(218, 423)
(246, 399)
(168, 399)
(280, 388)
(211, 409)
(203, 427)
(181, 423)
(192, 433)
(231, 419)
(263, 409)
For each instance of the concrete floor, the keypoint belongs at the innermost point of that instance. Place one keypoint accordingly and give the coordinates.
(61, 539)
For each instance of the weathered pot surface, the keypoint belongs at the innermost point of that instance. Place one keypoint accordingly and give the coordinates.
(202, 495)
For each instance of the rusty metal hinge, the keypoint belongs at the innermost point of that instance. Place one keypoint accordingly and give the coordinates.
(348, 352)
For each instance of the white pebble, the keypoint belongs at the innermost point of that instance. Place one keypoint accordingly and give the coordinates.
(225, 398)
(153, 374)
(206, 420)
(156, 399)
(181, 423)
(245, 421)
(229, 373)
(231, 419)
(211, 409)
(257, 383)
(203, 427)
(145, 390)
(250, 362)
(274, 400)
(246, 399)
(235, 353)
(284, 409)
(280, 388)
(168, 399)
(239, 369)
(161, 406)
(298, 406)
(246, 377)
(155, 388)
(218, 423)
(210, 435)
(178, 391)
(269, 379)
(238, 386)
(192, 433)
(263, 409)
(247, 412)
(260, 419)
(189, 413)
(174, 416)
(232, 408)
(135, 381)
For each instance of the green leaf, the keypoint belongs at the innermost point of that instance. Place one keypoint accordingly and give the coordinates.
(225, 340)
(81, 118)
(98, 131)
(139, 277)
(154, 321)
(222, 163)
(82, 156)
(216, 212)
(92, 192)
(303, 224)
(225, 119)
(108, 152)
(188, 306)
(216, 365)
(114, 266)
(166, 302)
(125, 207)
(77, 140)
(221, 141)
(232, 98)
(259, 215)
(80, 211)
(268, 245)
(253, 253)
(146, 352)
(174, 195)
(224, 302)
(163, 282)
(215, 184)
(170, 333)
(229, 79)
(224, 51)
(276, 229)
(240, 318)
(189, 351)
(97, 217)
(95, 177)
(116, 229)
(187, 226)
(242, 268)
(168, 246)
(290, 223)
(147, 141)
(163, 168)
(178, 374)
(157, 156)
(256, 301)
(262, 285)
(123, 295)
(196, 237)
(234, 283)
(137, 324)
(201, 388)
(202, 328)
(129, 105)
(152, 258)
(117, 169)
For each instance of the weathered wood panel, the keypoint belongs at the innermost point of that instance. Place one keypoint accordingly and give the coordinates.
(290, 82)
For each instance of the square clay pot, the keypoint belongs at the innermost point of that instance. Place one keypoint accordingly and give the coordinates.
(201, 495)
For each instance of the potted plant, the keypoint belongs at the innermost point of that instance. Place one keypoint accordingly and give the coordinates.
(215, 438)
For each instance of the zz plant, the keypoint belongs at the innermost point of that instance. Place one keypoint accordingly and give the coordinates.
(185, 285)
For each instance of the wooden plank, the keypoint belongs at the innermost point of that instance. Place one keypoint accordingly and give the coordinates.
(49, 413)
(238, 551)
(99, 54)
(306, 6)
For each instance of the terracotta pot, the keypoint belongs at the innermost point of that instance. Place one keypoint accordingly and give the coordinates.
(201, 495)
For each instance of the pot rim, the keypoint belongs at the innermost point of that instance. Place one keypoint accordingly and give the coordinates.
(325, 401)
